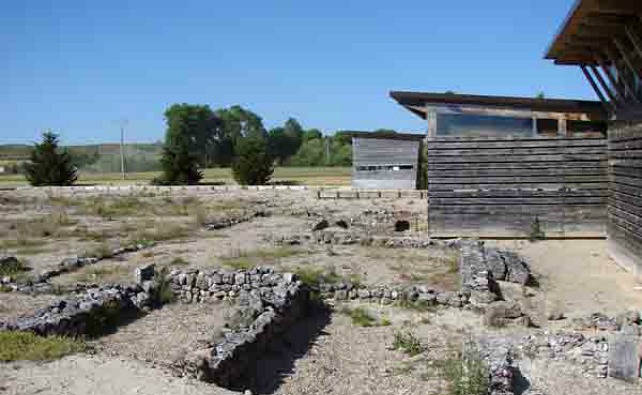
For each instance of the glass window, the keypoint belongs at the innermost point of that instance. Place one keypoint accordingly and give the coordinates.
(483, 126)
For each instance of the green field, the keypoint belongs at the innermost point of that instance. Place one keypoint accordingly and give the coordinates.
(328, 176)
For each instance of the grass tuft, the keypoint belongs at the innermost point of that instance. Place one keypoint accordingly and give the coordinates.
(162, 286)
(26, 346)
(364, 318)
(466, 376)
(408, 343)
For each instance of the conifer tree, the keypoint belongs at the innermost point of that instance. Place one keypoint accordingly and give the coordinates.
(50, 165)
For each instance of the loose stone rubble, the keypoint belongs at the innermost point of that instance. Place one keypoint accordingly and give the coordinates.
(230, 220)
(40, 282)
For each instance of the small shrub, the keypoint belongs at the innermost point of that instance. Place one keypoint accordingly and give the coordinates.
(408, 343)
(164, 293)
(466, 376)
(13, 267)
(21, 346)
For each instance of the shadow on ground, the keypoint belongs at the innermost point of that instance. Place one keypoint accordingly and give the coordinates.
(278, 362)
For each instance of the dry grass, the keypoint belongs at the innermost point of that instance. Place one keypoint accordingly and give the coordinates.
(363, 317)
(247, 259)
(101, 274)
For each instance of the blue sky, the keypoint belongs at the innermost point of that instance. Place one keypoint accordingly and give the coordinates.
(78, 67)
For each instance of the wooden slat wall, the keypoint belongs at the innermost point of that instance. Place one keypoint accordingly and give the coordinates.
(481, 187)
(625, 203)
(378, 151)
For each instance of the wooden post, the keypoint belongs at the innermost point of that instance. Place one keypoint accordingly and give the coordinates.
(561, 126)
(431, 117)
(534, 126)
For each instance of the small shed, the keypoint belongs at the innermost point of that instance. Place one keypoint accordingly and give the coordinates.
(385, 160)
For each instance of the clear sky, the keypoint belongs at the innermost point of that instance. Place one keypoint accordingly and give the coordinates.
(78, 67)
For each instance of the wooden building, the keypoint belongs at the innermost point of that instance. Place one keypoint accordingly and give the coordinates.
(508, 166)
(604, 39)
(385, 160)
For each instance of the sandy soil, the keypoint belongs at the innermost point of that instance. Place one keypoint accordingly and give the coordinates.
(578, 278)
(96, 375)
(15, 305)
(322, 355)
(165, 335)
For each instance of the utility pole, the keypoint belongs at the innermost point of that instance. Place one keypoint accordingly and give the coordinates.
(327, 150)
(122, 147)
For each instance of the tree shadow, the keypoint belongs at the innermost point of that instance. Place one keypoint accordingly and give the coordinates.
(269, 371)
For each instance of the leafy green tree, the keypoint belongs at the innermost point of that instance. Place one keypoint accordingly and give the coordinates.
(50, 165)
(179, 160)
(253, 164)
(285, 141)
(202, 129)
(236, 122)
(311, 153)
(312, 134)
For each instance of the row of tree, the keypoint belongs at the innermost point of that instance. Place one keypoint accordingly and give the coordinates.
(213, 136)
(199, 137)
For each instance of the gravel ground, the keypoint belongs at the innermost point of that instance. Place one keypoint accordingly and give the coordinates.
(165, 335)
(96, 375)
(13, 304)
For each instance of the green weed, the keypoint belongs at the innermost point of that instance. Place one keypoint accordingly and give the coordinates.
(408, 343)
(16, 346)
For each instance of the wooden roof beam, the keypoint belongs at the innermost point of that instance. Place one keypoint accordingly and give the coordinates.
(614, 82)
(603, 84)
(634, 37)
(596, 89)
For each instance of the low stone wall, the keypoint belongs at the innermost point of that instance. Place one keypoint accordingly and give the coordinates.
(215, 285)
(89, 312)
(269, 303)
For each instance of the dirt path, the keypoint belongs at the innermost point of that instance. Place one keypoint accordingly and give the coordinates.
(96, 375)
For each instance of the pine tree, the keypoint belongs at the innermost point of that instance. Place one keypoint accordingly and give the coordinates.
(50, 165)
(253, 164)
(180, 166)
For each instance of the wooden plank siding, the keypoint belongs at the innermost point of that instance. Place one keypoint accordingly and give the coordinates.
(481, 187)
(625, 203)
(384, 153)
